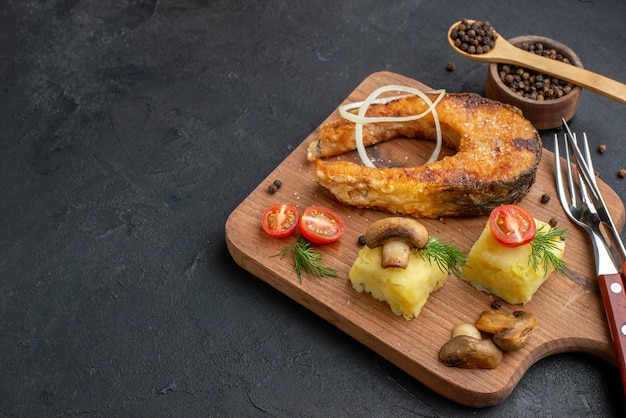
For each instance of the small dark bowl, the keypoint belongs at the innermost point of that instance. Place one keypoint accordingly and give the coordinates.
(543, 114)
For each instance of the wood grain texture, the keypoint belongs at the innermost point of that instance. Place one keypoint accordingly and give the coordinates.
(569, 311)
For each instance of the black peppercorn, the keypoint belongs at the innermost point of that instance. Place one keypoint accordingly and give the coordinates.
(475, 38)
(545, 198)
(539, 86)
(273, 188)
(361, 240)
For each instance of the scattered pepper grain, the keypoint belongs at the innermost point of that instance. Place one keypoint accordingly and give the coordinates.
(496, 304)
(621, 173)
(545, 198)
(451, 66)
(553, 222)
(273, 188)
(601, 148)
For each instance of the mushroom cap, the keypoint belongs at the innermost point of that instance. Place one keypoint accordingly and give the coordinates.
(408, 230)
(470, 353)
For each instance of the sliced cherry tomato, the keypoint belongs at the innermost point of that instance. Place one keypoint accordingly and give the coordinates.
(512, 225)
(280, 220)
(321, 225)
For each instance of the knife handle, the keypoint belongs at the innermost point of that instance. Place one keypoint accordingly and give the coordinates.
(614, 298)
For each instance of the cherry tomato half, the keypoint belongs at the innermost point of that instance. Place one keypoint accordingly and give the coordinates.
(280, 220)
(512, 225)
(321, 225)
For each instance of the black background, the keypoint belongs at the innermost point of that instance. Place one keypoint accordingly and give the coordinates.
(129, 132)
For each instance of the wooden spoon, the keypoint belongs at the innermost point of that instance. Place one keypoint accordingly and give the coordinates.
(505, 53)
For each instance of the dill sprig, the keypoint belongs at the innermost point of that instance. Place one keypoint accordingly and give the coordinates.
(448, 257)
(542, 245)
(307, 259)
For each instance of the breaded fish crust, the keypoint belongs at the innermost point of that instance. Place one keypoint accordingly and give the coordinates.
(498, 153)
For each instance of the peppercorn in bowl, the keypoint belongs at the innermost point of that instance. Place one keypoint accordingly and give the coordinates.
(542, 98)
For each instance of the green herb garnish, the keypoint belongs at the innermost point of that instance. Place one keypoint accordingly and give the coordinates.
(449, 257)
(542, 246)
(307, 259)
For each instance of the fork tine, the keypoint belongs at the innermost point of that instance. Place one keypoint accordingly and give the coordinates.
(588, 159)
(584, 194)
(586, 173)
(560, 189)
(558, 174)
(570, 182)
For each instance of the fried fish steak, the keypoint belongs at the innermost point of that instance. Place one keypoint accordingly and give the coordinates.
(496, 160)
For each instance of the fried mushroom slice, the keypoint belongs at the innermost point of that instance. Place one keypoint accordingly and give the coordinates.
(510, 332)
(467, 352)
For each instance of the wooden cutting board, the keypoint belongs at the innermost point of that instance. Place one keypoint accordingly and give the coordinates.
(569, 311)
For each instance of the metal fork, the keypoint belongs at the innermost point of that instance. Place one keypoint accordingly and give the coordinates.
(587, 176)
(581, 211)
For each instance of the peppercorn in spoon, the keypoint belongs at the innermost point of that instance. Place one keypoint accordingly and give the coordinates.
(501, 51)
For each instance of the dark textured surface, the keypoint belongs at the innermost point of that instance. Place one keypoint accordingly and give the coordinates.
(131, 130)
